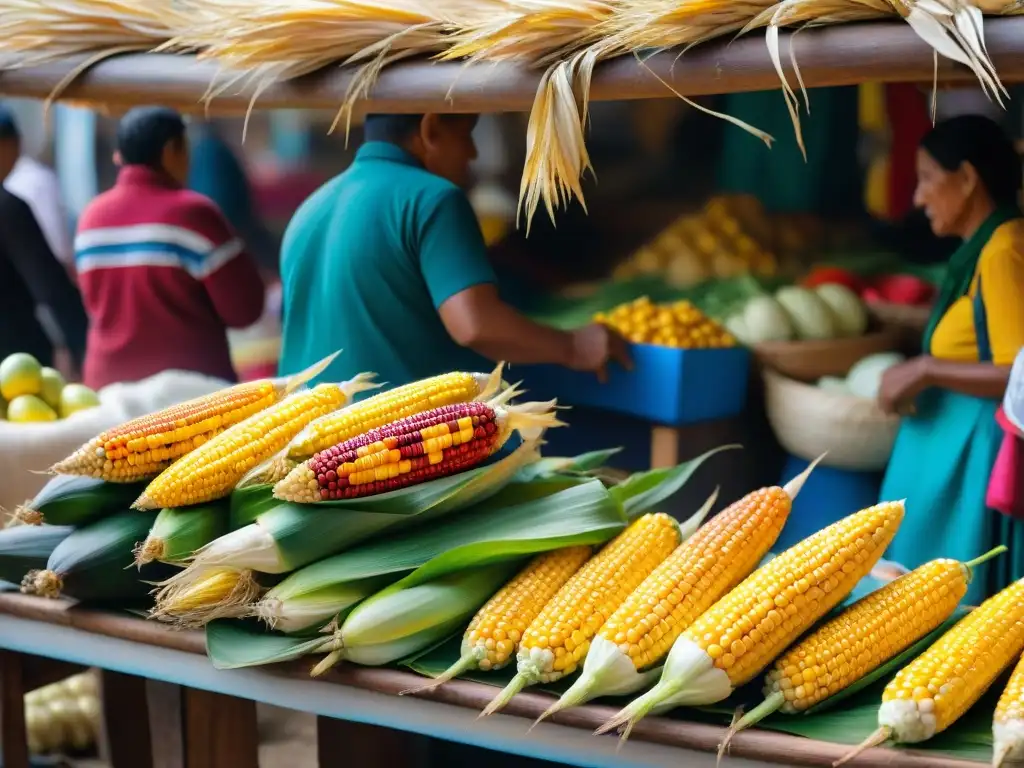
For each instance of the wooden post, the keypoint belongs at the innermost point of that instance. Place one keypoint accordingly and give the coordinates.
(340, 742)
(124, 740)
(220, 731)
(664, 447)
(13, 737)
(166, 725)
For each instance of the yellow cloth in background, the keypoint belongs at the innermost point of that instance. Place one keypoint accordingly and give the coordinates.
(872, 119)
(1001, 270)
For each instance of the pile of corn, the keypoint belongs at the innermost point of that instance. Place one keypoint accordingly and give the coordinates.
(679, 325)
(63, 717)
(730, 236)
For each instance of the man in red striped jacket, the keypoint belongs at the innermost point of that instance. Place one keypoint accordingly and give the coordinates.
(162, 274)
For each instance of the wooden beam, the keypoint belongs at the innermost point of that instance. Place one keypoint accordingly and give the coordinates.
(842, 55)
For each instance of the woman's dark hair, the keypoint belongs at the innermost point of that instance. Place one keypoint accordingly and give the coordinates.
(980, 141)
(143, 133)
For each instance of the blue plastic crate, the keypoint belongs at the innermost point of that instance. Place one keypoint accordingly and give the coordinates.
(666, 386)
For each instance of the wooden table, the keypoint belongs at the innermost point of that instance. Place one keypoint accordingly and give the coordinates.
(362, 721)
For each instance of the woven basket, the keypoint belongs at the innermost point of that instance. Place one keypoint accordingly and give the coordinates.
(810, 360)
(809, 421)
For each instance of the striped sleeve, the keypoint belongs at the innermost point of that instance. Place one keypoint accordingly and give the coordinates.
(198, 241)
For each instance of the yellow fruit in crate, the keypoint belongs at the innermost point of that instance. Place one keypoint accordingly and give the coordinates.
(20, 374)
(77, 397)
(52, 385)
(29, 408)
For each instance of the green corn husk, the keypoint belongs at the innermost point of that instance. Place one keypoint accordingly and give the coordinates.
(24, 548)
(555, 465)
(287, 536)
(524, 518)
(412, 615)
(178, 533)
(93, 563)
(498, 531)
(74, 500)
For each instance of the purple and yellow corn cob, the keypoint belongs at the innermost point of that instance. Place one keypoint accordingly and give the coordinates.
(428, 445)
(375, 412)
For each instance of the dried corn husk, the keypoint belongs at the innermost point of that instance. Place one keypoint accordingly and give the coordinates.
(953, 28)
(259, 44)
(568, 38)
(34, 32)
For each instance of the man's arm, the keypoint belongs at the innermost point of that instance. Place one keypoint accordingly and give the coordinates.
(229, 274)
(42, 273)
(453, 259)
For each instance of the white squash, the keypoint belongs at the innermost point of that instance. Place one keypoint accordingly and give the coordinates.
(810, 315)
(849, 312)
(766, 320)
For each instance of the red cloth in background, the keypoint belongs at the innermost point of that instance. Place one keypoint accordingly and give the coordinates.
(162, 278)
(909, 120)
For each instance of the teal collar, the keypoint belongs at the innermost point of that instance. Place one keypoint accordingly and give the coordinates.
(384, 150)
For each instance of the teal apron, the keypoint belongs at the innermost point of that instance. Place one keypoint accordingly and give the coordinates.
(941, 464)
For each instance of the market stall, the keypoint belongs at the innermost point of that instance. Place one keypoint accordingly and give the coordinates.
(358, 695)
(251, 528)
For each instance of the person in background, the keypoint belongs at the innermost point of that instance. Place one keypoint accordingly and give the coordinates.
(215, 171)
(969, 179)
(387, 262)
(30, 275)
(162, 272)
(37, 184)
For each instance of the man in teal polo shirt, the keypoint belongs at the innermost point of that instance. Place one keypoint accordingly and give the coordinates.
(387, 262)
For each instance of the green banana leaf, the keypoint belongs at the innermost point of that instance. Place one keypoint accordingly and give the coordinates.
(235, 643)
(552, 465)
(644, 491)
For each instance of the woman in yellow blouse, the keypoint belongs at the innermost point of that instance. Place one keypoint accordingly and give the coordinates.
(969, 181)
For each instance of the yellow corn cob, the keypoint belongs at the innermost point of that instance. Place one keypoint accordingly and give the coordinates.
(1008, 722)
(211, 471)
(386, 407)
(745, 630)
(144, 447)
(217, 586)
(715, 559)
(494, 633)
(933, 691)
(375, 412)
(557, 640)
(858, 641)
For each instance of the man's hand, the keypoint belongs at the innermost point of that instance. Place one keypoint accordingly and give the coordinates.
(594, 346)
(902, 383)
